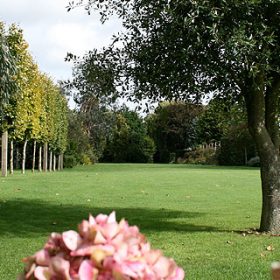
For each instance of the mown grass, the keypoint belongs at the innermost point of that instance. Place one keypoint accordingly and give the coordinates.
(194, 214)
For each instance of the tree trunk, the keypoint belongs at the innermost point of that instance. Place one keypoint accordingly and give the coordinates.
(50, 162)
(23, 157)
(59, 162)
(54, 162)
(263, 125)
(45, 158)
(270, 174)
(40, 159)
(4, 155)
(17, 157)
(12, 157)
(34, 156)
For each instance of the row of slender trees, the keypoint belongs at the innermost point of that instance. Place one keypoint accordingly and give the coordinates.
(33, 108)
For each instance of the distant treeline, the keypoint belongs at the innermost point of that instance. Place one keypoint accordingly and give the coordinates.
(175, 132)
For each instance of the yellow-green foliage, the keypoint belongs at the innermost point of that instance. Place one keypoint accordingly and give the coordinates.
(38, 110)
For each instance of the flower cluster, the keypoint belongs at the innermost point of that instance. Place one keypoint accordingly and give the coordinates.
(103, 249)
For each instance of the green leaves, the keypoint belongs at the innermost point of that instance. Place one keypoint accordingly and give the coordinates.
(7, 71)
(183, 49)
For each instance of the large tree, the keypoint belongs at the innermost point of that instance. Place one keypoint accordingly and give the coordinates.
(173, 127)
(184, 49)
(129, 141)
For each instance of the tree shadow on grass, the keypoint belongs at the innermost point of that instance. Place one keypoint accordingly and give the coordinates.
(25, 218)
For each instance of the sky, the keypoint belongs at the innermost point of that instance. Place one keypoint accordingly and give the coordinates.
(51, 31)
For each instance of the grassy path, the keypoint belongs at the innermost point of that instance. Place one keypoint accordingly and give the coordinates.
(193, 214)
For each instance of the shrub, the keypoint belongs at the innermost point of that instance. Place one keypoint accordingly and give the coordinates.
(69, 161)
(85, 159)
(103, 250)
(201, 156)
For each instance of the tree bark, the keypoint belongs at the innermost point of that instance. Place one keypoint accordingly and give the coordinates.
(45, 157)
(40, 159)
(59, 162)
(34, 156)
(23, 157)
(12, 157)
(17, 157)
(4, 154)
(54, 162)
(261, 110)
(270, 174)
(50, 161)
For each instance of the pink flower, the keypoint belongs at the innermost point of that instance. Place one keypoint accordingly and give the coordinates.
(102, 249)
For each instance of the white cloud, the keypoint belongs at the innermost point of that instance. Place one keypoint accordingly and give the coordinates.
(52, 32)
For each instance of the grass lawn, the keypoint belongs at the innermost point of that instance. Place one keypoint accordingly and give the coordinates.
(194, 214)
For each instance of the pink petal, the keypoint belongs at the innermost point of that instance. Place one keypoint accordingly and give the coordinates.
(152, 256)
(83, 251)
(60, 267)
(92, 221)
(112, 218)
(87, 271)
(121, 253)
(42, 258)
(101, 219)
(162, 267)
(134, 230)
(42, 273)
(130, 269)
(179, 274)
(71, 239)
(123, 225)
(110, 230)
(99, 238)
(83, 228)
(118, 240)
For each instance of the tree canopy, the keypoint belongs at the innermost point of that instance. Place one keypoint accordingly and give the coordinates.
(184, 49)
(7, 71)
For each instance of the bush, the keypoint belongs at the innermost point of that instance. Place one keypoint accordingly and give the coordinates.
(200, 156)
(69, 161)
(85, 159)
